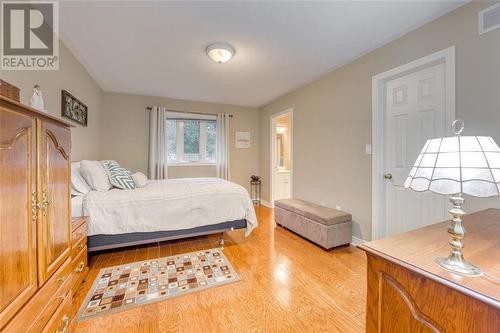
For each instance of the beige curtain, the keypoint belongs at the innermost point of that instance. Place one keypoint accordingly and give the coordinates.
(157, 167)
(223, 142)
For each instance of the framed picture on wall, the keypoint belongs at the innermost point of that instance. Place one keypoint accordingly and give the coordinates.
(242, 139)
(73, 109)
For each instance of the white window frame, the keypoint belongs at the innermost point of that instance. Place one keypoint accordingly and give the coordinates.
(180, 138)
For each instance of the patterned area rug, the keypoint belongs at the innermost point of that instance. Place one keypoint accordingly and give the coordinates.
(122, 287)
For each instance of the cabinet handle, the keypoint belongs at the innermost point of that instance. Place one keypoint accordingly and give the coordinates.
(80, 267)
(61, 280)
(80, 246)
(65, 320)
(34, 207)
(45, 202)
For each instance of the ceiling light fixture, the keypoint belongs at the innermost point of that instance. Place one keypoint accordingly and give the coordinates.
(220, 52)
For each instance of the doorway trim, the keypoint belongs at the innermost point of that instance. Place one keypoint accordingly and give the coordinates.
(272, 146)
(446, 56)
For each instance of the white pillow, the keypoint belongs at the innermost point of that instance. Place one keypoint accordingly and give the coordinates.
(140, 179)
(78, 185)
(94, 174)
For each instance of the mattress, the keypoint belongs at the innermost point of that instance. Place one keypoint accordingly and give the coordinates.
(77, 206)
(167, 205)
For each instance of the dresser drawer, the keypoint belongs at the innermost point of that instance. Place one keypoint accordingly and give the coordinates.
(61, 320)
(79, 270)
(41, 307)
(75, 250)
(78, 221)
(79, 235)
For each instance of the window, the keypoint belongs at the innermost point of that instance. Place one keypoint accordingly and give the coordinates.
(191, 140)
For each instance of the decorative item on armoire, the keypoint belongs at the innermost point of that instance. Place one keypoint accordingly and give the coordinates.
(255, 189)
(36, 101)
(9, 90)
(73, 109)
(455, 166)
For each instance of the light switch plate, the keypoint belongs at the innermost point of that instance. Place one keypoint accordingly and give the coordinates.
(368, 149)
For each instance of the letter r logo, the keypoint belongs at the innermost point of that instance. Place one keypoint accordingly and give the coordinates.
(27, 28)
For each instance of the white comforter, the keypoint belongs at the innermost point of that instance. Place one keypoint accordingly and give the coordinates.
(172, 204)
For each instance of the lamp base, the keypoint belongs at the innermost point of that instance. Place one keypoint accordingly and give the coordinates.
(458, 266)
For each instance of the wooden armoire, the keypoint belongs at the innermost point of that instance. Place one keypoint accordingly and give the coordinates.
(35, 274)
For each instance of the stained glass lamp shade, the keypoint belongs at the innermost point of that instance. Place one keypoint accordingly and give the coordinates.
(457, 165)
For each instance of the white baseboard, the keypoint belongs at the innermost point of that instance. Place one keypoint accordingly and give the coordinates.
(266, 203)
(356, 241)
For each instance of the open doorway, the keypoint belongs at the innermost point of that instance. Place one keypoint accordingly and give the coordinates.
(281, 155)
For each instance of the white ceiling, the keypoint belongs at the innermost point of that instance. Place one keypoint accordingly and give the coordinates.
(158, 48)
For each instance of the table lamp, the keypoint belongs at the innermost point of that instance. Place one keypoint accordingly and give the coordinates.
(454, 166)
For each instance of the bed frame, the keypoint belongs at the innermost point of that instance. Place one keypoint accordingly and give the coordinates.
(106, 242)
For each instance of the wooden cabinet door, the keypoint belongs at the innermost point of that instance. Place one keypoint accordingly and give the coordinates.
(18, 278)
(54, 144)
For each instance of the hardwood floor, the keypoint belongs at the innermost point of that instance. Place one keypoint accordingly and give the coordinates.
(287, 285)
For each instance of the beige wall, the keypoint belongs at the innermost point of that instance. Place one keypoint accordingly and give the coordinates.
(125, 134)
(72, 77)
(118, 123)
(332, 116)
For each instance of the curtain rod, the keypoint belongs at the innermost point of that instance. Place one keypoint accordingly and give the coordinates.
(200, 113)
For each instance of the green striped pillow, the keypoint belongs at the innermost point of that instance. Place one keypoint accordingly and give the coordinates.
(118, 176)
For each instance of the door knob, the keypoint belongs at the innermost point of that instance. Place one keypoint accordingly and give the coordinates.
(388, 176)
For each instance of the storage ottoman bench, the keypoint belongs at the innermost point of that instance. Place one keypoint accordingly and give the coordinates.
(324, 226)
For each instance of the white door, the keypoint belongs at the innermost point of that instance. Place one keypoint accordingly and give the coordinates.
(415, 112)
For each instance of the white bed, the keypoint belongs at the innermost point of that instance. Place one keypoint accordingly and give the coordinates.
(166, 205)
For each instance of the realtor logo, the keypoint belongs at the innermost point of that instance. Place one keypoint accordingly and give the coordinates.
(29, 33)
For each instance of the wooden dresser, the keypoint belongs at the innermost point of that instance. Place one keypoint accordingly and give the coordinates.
(408, 292)
(36, 283)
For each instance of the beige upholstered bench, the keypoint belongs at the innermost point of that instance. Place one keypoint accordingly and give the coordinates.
(324, 226)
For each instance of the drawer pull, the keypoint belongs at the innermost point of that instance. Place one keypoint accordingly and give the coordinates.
(80, 246)
(63, 296)
(62, 279)
(65, 320)
(80, 267)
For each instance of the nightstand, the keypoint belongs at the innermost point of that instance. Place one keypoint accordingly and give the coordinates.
(79, 264)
